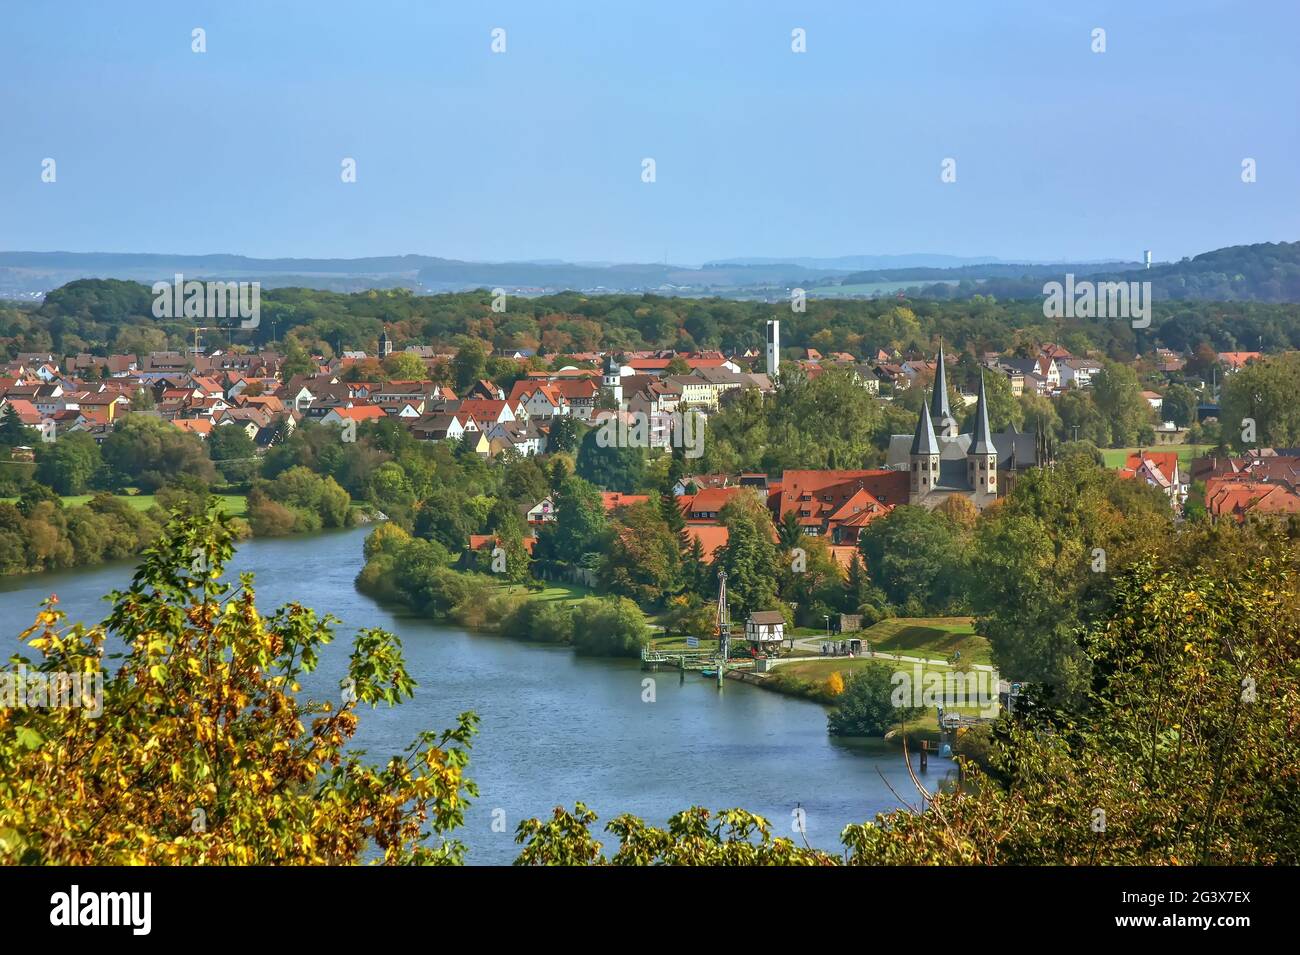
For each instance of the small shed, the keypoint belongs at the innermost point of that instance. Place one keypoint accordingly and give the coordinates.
(765, 627)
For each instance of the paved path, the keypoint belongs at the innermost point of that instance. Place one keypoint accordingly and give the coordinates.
(814, 644)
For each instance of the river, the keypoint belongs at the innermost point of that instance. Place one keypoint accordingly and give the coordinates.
(555, 728)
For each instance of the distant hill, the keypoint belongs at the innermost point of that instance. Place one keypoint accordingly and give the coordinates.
(23, 274)
(863, 262)
(987, 270)
(1266, 272)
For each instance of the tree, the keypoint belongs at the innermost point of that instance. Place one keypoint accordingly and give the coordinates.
(612, 627)
(405, 366)
(1119, 399)
(297, 501)
(233, 452)
(693, 837)
(917, 557)
(1004, 410)
(614, 468)
(143, 399)
(579, 523)
(238, 768)
(1180, 405)
(749, 557)
(643, 561)
(150, 452)
(469, 365)
(1185, 742)
(1263, 393)
(296, 360)
(789, 531)
(868, 705)
(1043, 561)
(69, 464)
(1081, 419)
(13, 433)
(564, 434)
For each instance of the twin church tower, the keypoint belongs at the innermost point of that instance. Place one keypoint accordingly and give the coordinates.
(942, 462)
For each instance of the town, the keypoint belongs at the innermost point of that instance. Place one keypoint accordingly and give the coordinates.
(542, 403)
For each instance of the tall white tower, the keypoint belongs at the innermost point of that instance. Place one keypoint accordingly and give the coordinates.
(1146, 255)
(773, 347)
(613, 379)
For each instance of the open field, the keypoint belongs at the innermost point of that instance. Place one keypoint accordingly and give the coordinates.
(235, 505)
(874, 288)
(937, 637)
(1115, 457)
(555, 591)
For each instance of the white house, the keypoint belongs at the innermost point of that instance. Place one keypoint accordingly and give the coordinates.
(765, 628)
(1078, 371)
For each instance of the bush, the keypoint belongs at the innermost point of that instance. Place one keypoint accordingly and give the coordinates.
(866, 707)
(611, 627)
(540, 620)
(270, 518)
(483, 607)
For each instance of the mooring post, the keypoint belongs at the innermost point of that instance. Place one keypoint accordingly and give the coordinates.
(925, 754)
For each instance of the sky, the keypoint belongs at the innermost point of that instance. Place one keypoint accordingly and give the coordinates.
(1061, 153)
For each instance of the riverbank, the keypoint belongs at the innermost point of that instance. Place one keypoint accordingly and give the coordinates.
(556, 727)
(55, 533)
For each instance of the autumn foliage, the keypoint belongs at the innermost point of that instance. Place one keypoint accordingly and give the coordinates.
(205, 751)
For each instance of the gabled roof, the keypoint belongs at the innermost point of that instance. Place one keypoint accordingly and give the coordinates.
(711, 538)
(360, 412)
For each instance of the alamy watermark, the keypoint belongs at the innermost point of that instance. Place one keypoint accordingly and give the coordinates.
(1087, 299)
(209, 300)
(664, 429)
(23, 689)
(930, 689)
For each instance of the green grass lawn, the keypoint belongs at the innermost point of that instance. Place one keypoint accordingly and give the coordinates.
(236, 505)
(936, 637)
(677, 643)
(807, 679)
(1115, 457)
(563, 592)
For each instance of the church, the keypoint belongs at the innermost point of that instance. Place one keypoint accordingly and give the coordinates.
(981, 466)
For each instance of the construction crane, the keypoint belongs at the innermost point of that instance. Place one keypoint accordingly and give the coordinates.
(723, 627)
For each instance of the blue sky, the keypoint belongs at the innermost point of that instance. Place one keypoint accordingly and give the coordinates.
(536, 153)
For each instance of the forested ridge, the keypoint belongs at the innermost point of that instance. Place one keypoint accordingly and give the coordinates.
(114, 317)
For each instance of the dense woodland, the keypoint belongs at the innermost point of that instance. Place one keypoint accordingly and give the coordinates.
(113, 317)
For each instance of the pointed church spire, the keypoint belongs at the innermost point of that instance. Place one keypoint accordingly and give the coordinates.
(982, 439)
(924, 441)
(939, 399)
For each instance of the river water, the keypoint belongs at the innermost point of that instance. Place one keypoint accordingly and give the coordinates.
(555, 728)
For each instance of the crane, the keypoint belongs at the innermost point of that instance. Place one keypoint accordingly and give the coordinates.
(723, 627)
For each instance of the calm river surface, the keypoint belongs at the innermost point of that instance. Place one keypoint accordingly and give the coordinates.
(555, 728)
